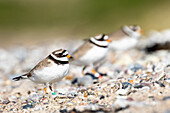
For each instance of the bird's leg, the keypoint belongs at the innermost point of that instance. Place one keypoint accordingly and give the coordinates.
(83, 70)
(45, 88)
(95, 73)
(50, 86)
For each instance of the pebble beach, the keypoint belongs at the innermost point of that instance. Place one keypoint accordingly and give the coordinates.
(132, 81)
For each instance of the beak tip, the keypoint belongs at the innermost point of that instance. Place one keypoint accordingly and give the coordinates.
(108, 40)
(68, 56)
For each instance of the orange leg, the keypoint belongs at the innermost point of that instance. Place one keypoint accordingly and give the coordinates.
(45, 88)
(96, 74)
(50, 86)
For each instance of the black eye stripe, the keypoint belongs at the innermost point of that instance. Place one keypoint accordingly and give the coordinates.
(62, 56)
(63, 51)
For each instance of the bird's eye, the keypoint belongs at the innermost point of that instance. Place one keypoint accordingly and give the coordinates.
(134, 29)
(60, 54)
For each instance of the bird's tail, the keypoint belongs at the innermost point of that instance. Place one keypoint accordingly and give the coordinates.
(20, 77)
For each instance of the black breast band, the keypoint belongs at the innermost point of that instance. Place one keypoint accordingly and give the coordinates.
(57, 61)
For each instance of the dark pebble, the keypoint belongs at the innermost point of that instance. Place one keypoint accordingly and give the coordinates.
(135, 67)
(166, 98)
(160, 83)
(126, 85)
(14, 102)
(6, 102)
(138, 85)
(101, 97)
(74, 81)
(63, 110)
(29, 92)
(151, 97)
(27, 106)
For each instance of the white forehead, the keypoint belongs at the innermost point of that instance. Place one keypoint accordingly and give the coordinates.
(106, 37)
(98, 36)
(65, 53)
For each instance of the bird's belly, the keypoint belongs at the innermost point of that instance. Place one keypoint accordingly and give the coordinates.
(94, 55)
(124, 44)
(50, 74)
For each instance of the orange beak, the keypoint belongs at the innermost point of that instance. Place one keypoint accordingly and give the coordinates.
(108, 40)
(68, 56)
(141, 31)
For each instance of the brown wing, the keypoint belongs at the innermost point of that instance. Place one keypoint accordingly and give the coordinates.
(40, 65)
(117, 35)
(81, 50)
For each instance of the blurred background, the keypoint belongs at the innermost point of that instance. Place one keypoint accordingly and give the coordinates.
(30, 22)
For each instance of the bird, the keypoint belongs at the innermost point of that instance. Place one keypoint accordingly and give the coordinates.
(125, 38)
(51, 69)
(91, 52)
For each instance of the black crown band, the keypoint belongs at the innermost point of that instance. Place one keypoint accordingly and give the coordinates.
(97, 44)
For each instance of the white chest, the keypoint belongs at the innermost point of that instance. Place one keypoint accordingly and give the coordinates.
(50, 74)
(93, 55)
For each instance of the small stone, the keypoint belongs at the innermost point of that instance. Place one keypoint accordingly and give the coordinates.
(122, 92)
(29, 92)
(101, 97)
(95, 101)
(27, 106)
(159, 67)
(160, 83)
(151, 97)
(167, 80)
(138, 85)
(6, 102)
(74, 81)
(69, 103)
(38, 108)
(135, 67)
(166, 98)
(63, 111)
(85, 81)
(126, 85)
(35, 97)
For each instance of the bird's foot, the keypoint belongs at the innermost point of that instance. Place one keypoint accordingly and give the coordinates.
(45, 89)
(96, 74)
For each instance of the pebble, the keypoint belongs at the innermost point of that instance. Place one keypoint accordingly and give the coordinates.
(101, 97)
(35, 97)
(63, 110)
(85, 81)
(166, 98)
(6, 102)
(37, 108)
(136, 81)
(135, 67)
(27, 106)
(126, 85)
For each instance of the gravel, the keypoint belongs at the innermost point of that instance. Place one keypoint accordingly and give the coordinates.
(137, 81)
